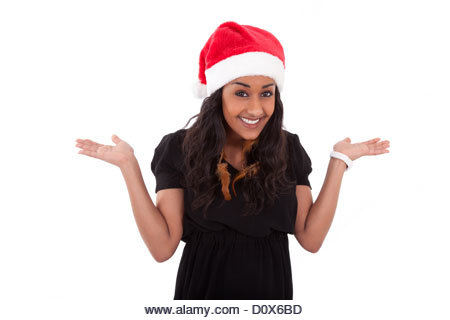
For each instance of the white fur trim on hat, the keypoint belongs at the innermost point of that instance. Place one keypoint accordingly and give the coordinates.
(199, 89)
(241, 65)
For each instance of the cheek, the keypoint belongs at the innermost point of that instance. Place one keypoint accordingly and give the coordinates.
(269, 108)
(228, 106)
(232, 110)
(272, 105)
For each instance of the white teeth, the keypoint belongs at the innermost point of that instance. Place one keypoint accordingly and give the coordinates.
(250, 121)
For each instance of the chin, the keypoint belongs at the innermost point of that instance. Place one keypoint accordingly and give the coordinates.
(249, 135)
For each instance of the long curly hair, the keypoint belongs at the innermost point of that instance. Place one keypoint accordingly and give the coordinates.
(264, 175)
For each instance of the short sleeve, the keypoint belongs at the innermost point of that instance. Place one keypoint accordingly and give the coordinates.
(166, 165)
(302, 162)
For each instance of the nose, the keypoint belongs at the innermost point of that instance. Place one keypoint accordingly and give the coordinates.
(255, 109)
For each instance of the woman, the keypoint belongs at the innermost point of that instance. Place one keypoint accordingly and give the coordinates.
(234, 184)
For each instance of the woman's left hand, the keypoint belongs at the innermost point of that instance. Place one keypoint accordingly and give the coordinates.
(368, 148)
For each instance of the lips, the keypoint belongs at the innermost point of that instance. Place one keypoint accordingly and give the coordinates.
(250, 126)
(252, 119)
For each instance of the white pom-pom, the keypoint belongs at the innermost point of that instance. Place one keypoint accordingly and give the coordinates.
(199, 89)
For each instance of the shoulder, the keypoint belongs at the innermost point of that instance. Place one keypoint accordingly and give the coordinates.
(173, 138)
(169, 149)
(296, 152)
(292, 140)
(167, 162)
(171, 143)
(288, 134)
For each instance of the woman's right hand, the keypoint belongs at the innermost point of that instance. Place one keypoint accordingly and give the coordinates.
(117, 155)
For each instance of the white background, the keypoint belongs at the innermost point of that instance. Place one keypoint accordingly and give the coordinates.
(70, 248)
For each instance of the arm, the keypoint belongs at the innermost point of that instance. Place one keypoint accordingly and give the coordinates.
(314, 220)
(160, 226)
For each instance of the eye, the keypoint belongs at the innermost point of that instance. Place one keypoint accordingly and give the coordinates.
(238, 93)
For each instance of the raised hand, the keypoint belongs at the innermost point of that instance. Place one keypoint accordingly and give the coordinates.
(367, 148)
(117, 155)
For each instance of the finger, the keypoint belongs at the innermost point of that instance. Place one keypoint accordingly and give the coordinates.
(89, 144)
(93, 143)
(383, 144)
(89, 153)
(382, 151)
(377, 149)
(115, 139)
(93, 148)
(371, 141)
(347, 139)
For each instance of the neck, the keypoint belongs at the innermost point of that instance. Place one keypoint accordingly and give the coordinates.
(236, 147)
(233, 141)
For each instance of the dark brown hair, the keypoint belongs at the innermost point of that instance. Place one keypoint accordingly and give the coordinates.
(202, 149)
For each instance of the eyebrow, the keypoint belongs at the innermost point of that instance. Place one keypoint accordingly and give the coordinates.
(248, 86)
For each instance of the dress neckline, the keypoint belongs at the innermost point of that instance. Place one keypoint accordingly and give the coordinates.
(229, 164)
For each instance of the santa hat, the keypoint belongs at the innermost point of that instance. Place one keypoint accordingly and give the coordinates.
(234, 51)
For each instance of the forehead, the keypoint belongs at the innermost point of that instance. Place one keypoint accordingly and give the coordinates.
(254, 79)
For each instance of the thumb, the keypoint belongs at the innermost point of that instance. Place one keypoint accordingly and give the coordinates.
(115, 139)
(347, 139)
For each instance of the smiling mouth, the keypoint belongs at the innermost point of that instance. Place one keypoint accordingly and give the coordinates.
(250, 121)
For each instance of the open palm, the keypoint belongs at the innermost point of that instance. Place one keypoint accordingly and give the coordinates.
(367, 148)
(116, 155)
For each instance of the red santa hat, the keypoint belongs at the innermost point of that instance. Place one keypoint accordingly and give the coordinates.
(234, 51)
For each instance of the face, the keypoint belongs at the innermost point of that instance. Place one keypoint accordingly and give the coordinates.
(247, 99)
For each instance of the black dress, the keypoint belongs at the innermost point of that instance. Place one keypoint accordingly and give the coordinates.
(229, 256)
